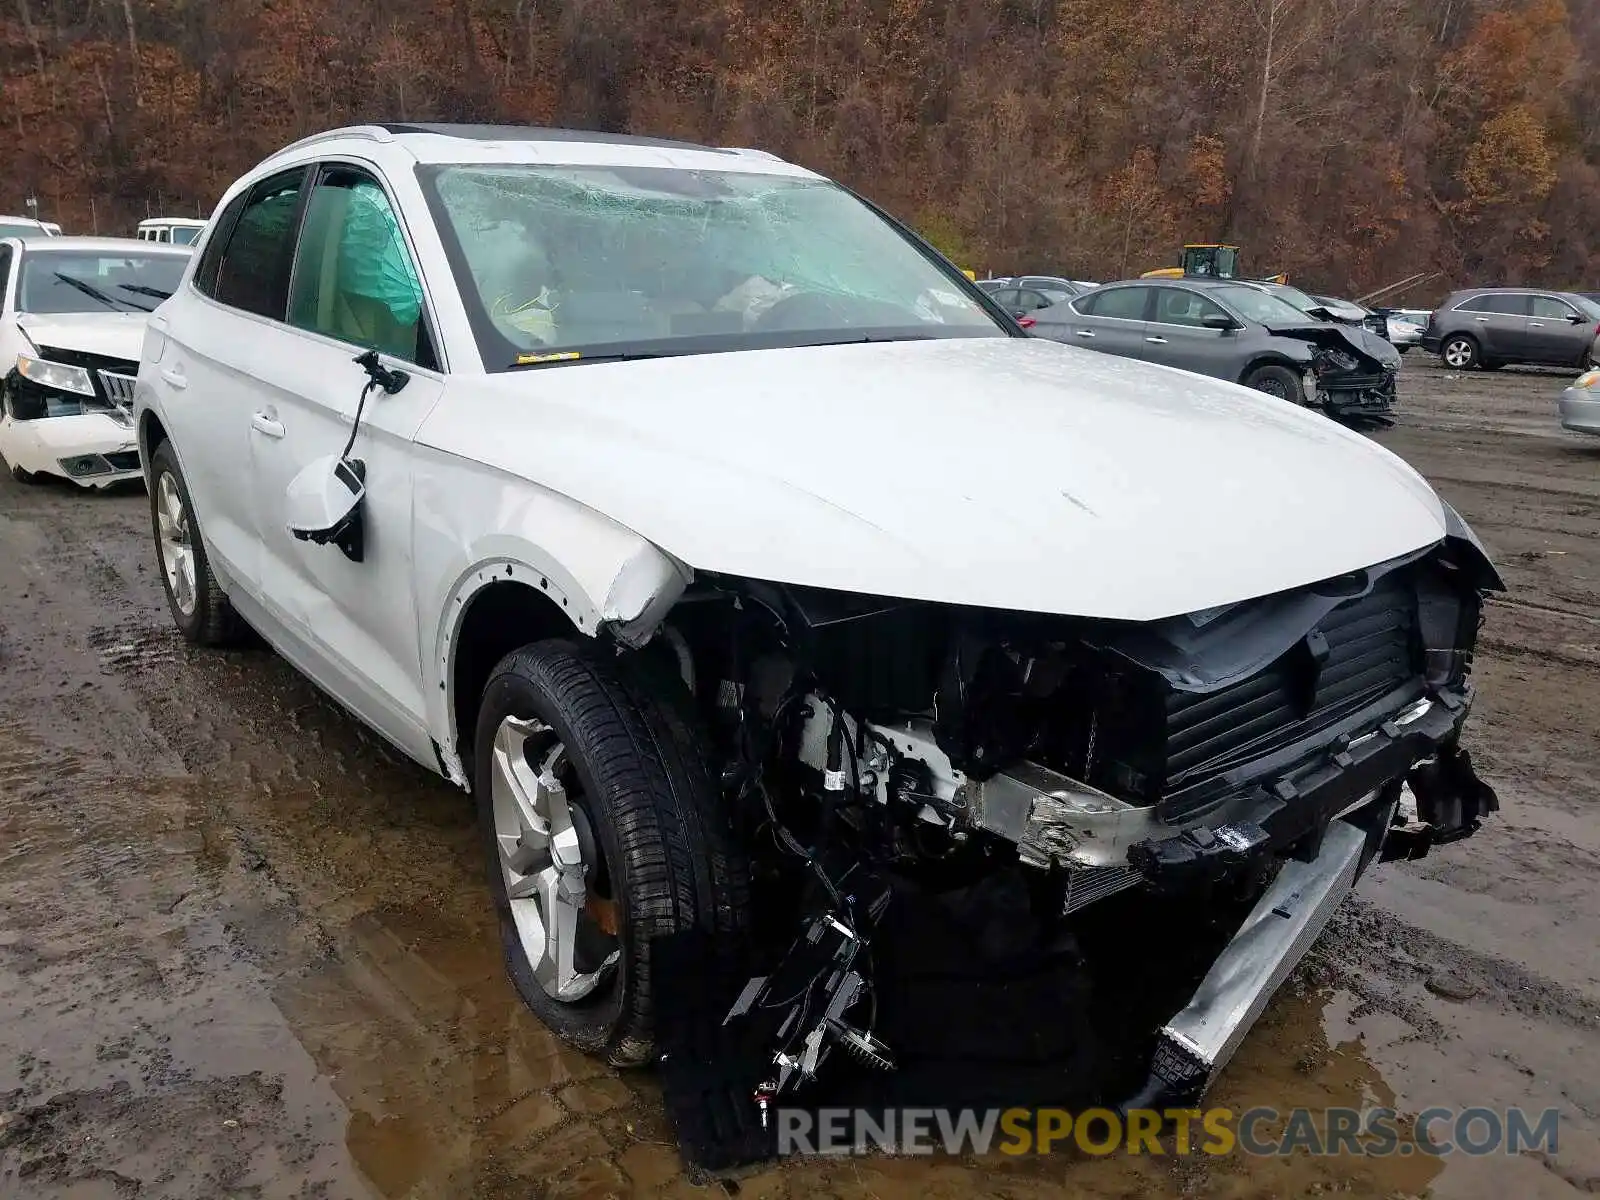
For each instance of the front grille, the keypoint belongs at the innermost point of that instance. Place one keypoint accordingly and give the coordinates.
(119, 387)
(1169, 744)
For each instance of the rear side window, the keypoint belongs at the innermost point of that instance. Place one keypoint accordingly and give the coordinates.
(1127, 303)
(5, 271)
(253, 271)
(205, 271)
(1515, 306)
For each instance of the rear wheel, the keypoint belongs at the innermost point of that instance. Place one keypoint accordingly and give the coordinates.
(199, 608)
(604, 832)
(1459, 352)
(1277, 381)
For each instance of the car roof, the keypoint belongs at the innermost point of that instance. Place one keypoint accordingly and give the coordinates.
(199, 221)
(22, 221)
(1514, 291)
(463, 144)
(131, 245)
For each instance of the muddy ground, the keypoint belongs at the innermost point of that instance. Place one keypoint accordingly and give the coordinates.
(245, 950)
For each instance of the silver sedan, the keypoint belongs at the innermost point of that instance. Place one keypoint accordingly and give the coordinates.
(1580, 404)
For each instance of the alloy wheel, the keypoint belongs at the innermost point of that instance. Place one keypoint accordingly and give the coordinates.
(177, 547)
(551, 862)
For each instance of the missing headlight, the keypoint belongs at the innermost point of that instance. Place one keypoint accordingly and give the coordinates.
(1327, 362)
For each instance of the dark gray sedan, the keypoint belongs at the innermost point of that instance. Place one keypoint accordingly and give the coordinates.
(1235, 331)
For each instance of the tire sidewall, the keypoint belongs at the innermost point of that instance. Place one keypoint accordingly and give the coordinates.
(592, 1023)
(1294, 390)
(164, 462)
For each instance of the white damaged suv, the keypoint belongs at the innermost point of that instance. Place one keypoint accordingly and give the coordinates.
(725, 542)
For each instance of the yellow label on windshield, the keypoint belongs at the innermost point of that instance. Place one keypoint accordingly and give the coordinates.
(557, 356)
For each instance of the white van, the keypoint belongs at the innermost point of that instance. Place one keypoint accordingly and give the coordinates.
(180, 231)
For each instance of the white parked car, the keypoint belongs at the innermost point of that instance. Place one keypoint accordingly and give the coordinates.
(27, 227)
(732, 548)
(72, 314)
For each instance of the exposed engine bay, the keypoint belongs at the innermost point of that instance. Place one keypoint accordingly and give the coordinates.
(1353, 370)
(860, 738)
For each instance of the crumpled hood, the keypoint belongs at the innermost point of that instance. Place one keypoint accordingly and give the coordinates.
(1007, 473)
(117, 335)
(1342, 334)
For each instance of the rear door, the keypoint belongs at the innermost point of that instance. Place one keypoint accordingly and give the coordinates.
(216, 340)
(1557, 333)
(1111, 320)
(1499, 322)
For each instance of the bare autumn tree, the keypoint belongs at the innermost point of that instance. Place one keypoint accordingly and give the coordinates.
(1348, 142)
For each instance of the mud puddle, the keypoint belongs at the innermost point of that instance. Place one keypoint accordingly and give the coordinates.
(245, 950)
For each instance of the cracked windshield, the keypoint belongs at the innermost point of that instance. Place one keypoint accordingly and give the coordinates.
(579, 262)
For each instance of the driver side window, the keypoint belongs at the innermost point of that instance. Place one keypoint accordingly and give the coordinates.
(354, 279)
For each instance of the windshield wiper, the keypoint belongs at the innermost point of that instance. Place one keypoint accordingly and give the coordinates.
(143, 290)
(95, 293)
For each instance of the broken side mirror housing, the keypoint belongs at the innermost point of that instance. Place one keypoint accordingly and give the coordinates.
(325, 504)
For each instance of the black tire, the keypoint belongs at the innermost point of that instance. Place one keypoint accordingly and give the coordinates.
(1278, 382)
(212, 621)
(1466, 350)
(1490, 364)
(1403, 349)
(656, 817)
(22, 476)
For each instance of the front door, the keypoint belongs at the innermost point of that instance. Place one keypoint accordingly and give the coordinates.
(1557, 334)
(355, 288)
(1181, 339)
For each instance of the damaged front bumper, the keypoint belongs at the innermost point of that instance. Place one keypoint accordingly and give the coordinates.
(1279, 805)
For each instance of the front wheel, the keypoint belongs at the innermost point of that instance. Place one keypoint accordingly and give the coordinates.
(604, 832)
(1277, 381)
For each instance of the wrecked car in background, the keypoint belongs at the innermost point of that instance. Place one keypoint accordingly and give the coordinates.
(72, 313)
(1240, 332)
(717, 534)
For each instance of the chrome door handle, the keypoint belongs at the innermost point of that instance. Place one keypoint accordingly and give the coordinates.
(176, 379)
(262, 423)
(1085, 332)
(1160, 341)
(1535, 324)
(1481, 320)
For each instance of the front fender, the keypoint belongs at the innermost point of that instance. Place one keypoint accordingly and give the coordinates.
(473, 526)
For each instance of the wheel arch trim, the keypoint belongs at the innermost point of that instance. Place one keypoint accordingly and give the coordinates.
(640, 587)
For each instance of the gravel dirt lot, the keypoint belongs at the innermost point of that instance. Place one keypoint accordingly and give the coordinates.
(246, 951)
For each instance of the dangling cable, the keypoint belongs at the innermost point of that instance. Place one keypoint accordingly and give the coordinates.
(356, 424)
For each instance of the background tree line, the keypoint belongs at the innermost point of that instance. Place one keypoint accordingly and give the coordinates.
(1348, 142)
